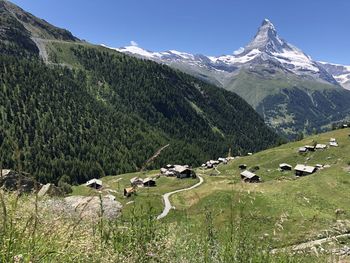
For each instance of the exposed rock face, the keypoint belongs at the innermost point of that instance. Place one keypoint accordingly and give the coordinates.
(85, 207)
(16, 181)
(50, 190)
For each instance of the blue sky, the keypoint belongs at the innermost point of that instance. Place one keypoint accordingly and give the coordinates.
(321, 28)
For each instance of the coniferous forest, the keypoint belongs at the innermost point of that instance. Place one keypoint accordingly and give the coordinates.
(109, 117)
(101, 112)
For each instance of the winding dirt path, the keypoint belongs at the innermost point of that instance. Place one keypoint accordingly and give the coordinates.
(167, 204)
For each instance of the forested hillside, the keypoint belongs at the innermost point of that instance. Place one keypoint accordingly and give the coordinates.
(91, 111)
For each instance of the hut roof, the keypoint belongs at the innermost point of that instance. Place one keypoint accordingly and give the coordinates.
(180, 168)
(309, 147)
(321, 146)
(248, 174)
(304, 168)
(285, 165)
(129, 190)
(302, 149)
(94, 181)
(135, 179)
(148, 179)
(213, 162)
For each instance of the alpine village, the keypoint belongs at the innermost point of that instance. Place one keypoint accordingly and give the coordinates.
(130, 155)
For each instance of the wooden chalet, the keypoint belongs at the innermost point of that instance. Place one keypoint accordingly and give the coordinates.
(129, 191)
(320, 146)
(149, 182)
(285, 167)
(250, 177)
(136, 181)
(184, 172)
(242, 166)
(333, 144)
(302, 150)
(94, 183)
(302, 170)
(310, 148)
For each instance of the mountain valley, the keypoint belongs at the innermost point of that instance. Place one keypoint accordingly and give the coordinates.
(292, 92)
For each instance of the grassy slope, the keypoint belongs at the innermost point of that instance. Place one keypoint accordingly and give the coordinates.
(150, 197)
(307, 204)
(289, 209)
(254, 86)
(290, 104)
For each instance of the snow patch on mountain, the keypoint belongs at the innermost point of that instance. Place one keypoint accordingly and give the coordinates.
(296, 58)
(340, 72)
(266, 49)
(135, 50)
(234, 59)
(238, 51)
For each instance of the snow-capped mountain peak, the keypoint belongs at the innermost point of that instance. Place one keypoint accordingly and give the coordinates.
(266, 39)
(267, 46)
(266, 49)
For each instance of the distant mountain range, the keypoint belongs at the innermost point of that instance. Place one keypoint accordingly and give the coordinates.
(340, 72)
(71, 111)
(290, 90)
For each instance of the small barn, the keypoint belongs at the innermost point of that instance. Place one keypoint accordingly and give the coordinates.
(136, 181)
(129, 191)
(250, 177)
(223, 160)
(149, 182)
(319, 166)
(321, 146)
(184, 172)
(332, 140)
(302, 150)
(94, 183)
(333, 144)
(301, 170)
(209, 165)
(242, 166)
(214, 162)
(285, 167)
(170, 173)
(310, 148)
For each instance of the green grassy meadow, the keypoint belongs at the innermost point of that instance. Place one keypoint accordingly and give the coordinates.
(287, 209)
(223, 220)
(144, 197)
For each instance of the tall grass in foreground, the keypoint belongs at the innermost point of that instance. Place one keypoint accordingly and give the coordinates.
(30, 232)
